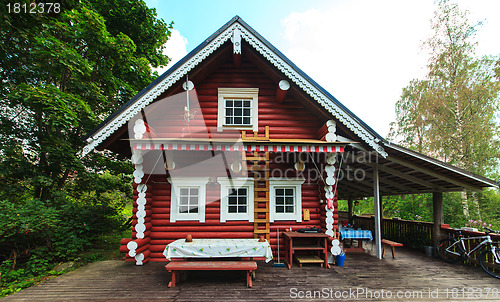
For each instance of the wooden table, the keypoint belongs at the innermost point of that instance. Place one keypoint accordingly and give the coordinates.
(295, 241)
(357, 234)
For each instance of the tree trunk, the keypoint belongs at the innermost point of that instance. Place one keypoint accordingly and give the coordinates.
(465, 204)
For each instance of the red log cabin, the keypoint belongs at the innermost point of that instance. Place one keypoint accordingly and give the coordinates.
(235, 141)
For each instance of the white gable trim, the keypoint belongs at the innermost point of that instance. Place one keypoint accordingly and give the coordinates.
(269, 54)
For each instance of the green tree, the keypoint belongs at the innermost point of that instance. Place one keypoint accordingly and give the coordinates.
(61, 74)
(451, 113)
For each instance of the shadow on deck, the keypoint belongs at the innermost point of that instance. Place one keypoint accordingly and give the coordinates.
(412, 276)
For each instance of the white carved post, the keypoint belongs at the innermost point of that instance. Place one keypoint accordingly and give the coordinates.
(329, 192)
(137, 160)
(330, 207)
(332, 127)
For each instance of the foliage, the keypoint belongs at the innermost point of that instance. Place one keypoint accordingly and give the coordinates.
(62, 74)
(451, 114)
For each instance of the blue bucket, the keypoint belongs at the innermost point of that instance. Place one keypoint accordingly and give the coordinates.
(340, 259)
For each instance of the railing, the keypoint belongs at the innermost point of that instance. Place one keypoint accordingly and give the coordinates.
(414, 234)
(471, 244)
(417, 234)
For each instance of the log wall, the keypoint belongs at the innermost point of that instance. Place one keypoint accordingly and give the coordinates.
(286, 120)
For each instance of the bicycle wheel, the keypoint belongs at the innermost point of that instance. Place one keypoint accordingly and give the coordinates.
(449, 250)
(490, 262)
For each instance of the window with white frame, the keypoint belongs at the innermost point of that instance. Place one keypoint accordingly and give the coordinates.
(285, 199)
(238, 108)
(188, 199)
(236, 199)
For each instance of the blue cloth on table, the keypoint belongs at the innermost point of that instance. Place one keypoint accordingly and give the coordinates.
(350, 233)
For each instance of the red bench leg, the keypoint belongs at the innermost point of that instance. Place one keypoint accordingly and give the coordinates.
(249, 278)
(172, 283)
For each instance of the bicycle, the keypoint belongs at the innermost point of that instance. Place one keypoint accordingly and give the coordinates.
(451, 250)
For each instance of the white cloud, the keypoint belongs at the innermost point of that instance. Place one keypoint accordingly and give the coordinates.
(362, 52)
(175, 49)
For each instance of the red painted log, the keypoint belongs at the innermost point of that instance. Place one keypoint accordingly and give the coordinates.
(162, 195)
(161, 186)
(142, 249)
(124, 241)
(213, 228)
(282, 91)
(124, 249)
(157, 248)
(137, 243)
(157, 257)
(166, 222)
(148, 212)
(148, 226)
(179, 235)
(146, 220)
(161, 242)
(147, 234)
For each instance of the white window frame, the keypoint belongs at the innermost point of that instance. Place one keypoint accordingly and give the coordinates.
(188, 182)
(225, 185)
(238, 93)
(296, 184)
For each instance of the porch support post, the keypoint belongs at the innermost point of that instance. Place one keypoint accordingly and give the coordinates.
(350, 210)
(378, 213)
(437, 206)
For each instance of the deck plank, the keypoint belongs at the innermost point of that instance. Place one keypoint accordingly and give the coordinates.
(411, 272)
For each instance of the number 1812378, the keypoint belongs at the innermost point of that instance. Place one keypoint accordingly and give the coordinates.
(34, 8)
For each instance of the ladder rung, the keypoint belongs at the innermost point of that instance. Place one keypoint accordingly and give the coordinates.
(261, 221)
(261, 210)
(260, 199)
(258, 158)
(254, 168)
(262, 231)
(261, 189)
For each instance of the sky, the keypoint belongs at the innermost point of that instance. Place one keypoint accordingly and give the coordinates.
(364, 52)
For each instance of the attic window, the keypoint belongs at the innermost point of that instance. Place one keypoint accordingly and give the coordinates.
(238, 108)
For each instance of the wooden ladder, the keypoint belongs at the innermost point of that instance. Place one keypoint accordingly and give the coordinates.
(260, 169)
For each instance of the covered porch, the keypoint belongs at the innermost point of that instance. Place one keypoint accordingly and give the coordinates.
(395, 170)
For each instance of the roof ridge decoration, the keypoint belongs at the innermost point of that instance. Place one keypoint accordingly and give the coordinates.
(274, 58)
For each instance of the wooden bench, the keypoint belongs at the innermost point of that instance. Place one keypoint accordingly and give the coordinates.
(392, 244)
(177, 266)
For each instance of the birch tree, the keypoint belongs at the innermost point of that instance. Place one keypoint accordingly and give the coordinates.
(451, 113)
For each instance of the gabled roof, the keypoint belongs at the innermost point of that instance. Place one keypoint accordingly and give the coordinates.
(323, 98)
(403, 171)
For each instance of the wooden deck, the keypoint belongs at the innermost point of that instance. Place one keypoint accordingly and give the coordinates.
(363, 278)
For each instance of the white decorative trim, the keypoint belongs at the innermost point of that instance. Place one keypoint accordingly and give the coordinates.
(297, 185)
(192, 62)
(332, 127)
(236, 39)
(329, 194)
(225, 184)
(138, 174)
(182, 182)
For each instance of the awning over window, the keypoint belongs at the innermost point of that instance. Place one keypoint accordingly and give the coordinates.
(240, 147)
